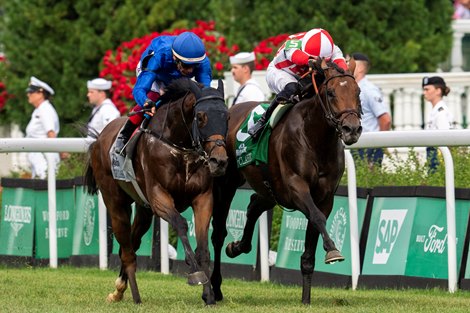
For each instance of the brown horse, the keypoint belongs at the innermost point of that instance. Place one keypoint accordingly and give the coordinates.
(175, 161)
(305, 165)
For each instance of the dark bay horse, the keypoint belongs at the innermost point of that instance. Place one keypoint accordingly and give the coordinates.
(175, 161)
(305, 165)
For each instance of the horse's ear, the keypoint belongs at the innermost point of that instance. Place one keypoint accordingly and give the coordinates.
(352, 65)
(324, 65)
(220, 87)
(195, 89)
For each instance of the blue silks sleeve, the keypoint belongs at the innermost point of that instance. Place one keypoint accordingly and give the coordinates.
(203, 73)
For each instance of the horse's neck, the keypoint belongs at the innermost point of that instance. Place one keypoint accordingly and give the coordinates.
(169, 124)
(314, 123)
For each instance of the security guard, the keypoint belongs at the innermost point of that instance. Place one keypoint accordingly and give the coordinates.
(434, 89)
(44, 123)
(104, 110)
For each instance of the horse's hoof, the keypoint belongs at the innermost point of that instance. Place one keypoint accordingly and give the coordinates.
(333, 256)
(229, 250)
(114, 297)
(197, 278)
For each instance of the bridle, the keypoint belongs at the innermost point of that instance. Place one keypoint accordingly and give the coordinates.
(334, 120)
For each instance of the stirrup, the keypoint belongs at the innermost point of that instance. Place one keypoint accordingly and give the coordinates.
(120, 147)
(256, 129)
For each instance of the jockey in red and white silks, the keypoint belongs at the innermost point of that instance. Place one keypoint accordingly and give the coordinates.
(291, 60)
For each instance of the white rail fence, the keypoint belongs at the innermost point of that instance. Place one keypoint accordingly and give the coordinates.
(442, 139)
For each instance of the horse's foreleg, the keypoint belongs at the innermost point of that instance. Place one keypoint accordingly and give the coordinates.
(223, 193)
(195, 276)
(304, 202)
(307, 262)
(202, 207)
(257, 206)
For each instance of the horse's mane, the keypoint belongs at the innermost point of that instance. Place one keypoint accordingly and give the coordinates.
(178, 88)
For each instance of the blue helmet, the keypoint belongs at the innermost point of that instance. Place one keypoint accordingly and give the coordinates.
(189, 48)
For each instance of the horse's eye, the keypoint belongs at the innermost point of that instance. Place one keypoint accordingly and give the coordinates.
(330, 93)
(201, 119)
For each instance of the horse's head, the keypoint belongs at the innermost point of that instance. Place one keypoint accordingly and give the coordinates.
(339, 96)
(209, 128)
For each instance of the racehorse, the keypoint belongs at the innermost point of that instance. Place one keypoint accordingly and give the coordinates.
(175, 160)
(305, 165)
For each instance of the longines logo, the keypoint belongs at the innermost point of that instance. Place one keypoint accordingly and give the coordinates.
(17, 216)
(338, 228)
(236, 221)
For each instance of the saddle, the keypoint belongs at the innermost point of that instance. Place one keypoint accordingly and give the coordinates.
(122, 167)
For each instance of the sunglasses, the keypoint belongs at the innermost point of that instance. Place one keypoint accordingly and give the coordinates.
(185, 66)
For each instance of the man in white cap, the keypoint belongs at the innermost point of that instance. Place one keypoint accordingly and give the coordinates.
(44, 123)
(243, 65)
(104, 110)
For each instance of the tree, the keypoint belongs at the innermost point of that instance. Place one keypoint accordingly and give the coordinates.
(64, 41)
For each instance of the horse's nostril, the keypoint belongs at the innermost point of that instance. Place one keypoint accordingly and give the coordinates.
(346, 129)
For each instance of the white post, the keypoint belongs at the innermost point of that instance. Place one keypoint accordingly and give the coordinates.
(264, 246)
(103, 232)
(353, 222)
(51, 196)
(456, 59)
(450, 208)
(164, 260)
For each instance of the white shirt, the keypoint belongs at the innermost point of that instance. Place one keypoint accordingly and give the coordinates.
(440, 117)
(43, 119)
(373, 105)
(102, 115)
(250, 91)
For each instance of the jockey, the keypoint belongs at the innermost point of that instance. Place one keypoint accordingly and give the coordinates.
(291, 62)
(166, 58)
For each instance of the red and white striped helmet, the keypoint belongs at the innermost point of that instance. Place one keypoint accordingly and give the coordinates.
(318, 43)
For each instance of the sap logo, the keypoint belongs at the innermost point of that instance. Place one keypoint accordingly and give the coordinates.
(387, 233)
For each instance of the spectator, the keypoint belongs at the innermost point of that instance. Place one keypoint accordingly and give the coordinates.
(290, 63)
(104, 110)
(434, 89)
(461, 9)
(375, 115)
(44, 123)
(243, 65)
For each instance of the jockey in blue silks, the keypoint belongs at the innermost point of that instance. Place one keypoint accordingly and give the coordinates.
(165, 59)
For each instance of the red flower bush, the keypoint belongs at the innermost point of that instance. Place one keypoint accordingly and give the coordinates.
(267, 49)
(4, 96)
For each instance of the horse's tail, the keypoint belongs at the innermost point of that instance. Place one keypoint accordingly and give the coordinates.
(89, 177)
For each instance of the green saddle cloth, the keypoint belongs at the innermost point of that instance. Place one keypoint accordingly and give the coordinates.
(247, 151)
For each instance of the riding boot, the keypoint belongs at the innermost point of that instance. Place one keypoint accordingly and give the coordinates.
(123, 137)
(285, 95)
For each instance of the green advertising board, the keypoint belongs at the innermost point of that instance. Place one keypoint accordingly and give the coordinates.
(65, 214)
(408, 237)
(145, 248)
(235, 224)
(292, 237)
(86, 225)
(17, 221)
